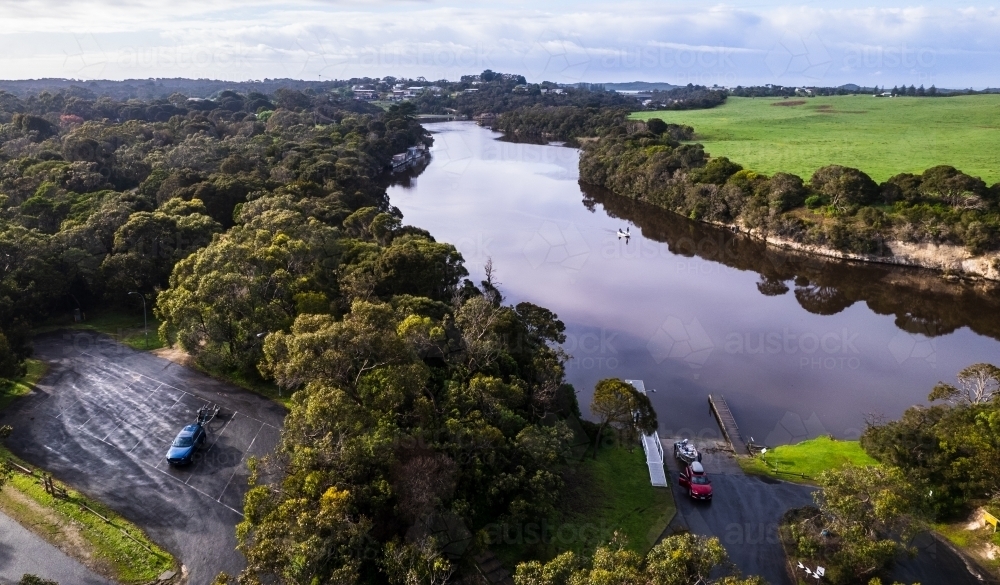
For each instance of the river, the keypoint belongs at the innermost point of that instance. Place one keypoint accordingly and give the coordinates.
(799, 346)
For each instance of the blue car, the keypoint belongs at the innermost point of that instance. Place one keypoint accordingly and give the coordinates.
(184, 446)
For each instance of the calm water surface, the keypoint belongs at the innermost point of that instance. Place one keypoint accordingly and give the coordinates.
(798, 346)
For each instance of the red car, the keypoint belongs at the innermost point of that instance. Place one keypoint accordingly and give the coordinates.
(693, 477)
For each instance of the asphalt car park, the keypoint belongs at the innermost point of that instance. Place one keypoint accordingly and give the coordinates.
(102, 420)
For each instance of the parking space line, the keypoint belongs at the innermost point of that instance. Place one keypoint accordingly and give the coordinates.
(113, 430)
(62, 411)
(219, 436)
(237, 470)
(184, 392)
(185, 484)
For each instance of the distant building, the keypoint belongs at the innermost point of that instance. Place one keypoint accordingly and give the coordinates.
(412, 155)
(365, 94)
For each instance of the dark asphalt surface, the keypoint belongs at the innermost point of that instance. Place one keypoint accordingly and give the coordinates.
(745, 513)
(22, 551)
(102, 420)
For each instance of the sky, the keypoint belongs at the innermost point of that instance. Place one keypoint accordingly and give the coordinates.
(950, 45)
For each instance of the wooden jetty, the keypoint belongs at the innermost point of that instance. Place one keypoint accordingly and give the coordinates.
(727, 422)
(653, 448)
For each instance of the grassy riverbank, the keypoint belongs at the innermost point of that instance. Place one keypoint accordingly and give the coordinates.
(804, 461)
(603, 495)
(880, 136)
(628, 502)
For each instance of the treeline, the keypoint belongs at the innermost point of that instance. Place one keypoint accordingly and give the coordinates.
(574, 124)
(839, 207)
(161, 88)
(544, 123)
(497, 93)
(62, 110)
(919, 303)
(690, 97)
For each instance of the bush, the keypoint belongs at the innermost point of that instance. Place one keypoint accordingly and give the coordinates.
(717, 171)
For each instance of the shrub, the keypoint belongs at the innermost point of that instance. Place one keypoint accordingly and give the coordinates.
(845, 186)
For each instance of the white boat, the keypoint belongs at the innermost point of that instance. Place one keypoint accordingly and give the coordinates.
(686, 452)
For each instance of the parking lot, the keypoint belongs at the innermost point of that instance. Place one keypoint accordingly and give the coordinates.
(102, 420)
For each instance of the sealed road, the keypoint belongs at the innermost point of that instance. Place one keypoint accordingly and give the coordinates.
(745, 513)
(102, 420)
(23, 551)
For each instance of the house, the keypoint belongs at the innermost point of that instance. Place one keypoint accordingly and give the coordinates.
(471, 90)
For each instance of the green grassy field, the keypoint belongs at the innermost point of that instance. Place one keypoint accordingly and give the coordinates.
(881, 136)
(808, 458)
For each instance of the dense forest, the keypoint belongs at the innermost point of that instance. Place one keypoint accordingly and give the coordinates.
(259, 227)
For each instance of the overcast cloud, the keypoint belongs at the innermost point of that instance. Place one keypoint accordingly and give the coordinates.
(812, 43)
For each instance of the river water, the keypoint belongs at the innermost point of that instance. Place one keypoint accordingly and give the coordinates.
(799, 346)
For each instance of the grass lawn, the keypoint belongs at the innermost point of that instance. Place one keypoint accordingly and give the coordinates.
(807, 458)
(629, 503)
(881, 136)
(600, 496)
(101, 546)
(10, 390)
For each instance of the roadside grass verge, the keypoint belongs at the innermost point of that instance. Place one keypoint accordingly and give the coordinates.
(611, 493)
(125, 327)
(804, 461)
(100, 546)
(10, 390)
(975, 541)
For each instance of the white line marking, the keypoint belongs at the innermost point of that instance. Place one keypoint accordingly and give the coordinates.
(189, 486)
(112, 430)
(237, 470)
(100, 359)
(219, 436)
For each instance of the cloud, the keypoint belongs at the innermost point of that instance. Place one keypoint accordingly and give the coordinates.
(819, 43)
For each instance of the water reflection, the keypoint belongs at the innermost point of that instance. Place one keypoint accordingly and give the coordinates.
(922, 301)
